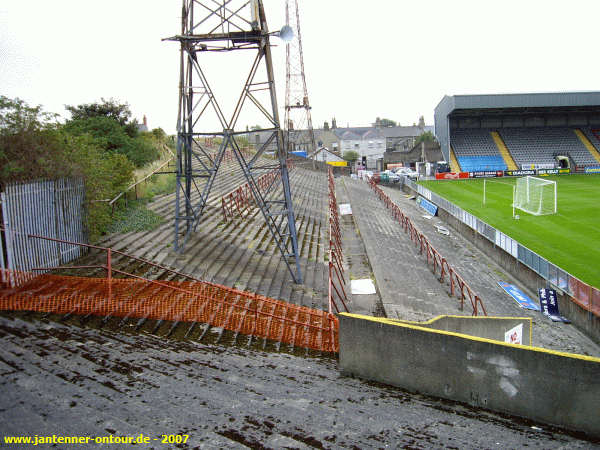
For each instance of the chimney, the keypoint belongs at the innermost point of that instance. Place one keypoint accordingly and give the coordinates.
(145, 121)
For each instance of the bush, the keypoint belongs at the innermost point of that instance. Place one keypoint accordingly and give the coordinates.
(32, 146)
(109, 135)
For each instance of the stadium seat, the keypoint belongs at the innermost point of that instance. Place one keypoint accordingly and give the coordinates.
(476, 150)
(540, 145)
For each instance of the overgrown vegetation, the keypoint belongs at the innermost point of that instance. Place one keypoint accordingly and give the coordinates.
(136, 217)
(110, 127)
(100, 142)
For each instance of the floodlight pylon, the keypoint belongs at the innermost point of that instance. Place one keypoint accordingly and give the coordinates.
(299, 131)
(226, 26)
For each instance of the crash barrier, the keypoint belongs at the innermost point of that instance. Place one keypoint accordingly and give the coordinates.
(229, 155)
(584, 295)
(126, 295)
(458, 286)
(337, 281)
(550, 387)
(238, 201)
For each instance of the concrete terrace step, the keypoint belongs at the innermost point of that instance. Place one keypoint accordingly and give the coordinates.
(408, 288)
(66, 378)
(240, 253)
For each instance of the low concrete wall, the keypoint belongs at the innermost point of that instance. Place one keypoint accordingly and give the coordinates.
(480, 326)
(550, 387)
(582, 319)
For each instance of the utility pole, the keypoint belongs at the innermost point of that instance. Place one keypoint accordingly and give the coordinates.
(227, 28)
(299, 131)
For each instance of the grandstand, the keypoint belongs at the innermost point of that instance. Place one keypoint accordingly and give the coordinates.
(519, 131)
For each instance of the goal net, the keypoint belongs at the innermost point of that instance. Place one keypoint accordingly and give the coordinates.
(535, 196)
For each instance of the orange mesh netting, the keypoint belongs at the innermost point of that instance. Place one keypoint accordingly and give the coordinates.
(186, 301)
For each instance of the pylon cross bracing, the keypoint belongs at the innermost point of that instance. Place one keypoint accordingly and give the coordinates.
(225, 27)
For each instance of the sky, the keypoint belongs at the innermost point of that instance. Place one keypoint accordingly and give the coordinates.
(363, 59)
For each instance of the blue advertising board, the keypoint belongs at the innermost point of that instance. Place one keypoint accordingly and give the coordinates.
(592, 169)
(519, 296)
(427, 205)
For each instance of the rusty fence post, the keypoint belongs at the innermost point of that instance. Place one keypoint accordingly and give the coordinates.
(109, 273)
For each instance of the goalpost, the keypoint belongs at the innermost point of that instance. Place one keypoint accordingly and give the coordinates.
(486, 181)
(536, 196)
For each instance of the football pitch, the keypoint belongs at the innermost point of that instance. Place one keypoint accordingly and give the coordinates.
(570, 239)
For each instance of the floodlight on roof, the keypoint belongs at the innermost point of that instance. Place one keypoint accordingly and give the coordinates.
(286, 34)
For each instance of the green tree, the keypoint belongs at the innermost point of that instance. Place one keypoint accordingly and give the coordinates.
(109, 124)
(33, 145)
(350, 156)
(425, 137)
(387, 123)
(120, 112)
(30, 144)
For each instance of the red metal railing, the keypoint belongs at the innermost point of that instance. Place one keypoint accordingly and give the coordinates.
(123, 294)
(336, 269)
(238, 201)
(229, 156)
(458, 286)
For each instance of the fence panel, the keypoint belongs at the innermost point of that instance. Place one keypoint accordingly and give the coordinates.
(595, 304)
(52, 208)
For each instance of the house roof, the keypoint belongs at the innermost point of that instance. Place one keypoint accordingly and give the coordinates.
(330, 153)
(411, 131)
(378, 133)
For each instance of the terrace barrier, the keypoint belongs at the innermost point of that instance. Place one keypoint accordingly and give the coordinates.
(238, 201)
(126, 295)
(458, 286)
(336, 284)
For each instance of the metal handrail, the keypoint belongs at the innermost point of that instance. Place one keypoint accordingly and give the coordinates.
(433, 256)
(335, 251)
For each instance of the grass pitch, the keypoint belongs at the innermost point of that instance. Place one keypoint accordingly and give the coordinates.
(570, 239)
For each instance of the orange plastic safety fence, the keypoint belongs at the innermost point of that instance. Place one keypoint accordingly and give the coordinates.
(185, 301)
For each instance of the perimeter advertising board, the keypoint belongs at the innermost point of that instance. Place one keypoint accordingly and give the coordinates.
(519, 173)
(451, 175)
(546, 172)
(486, 174)
(533, 172)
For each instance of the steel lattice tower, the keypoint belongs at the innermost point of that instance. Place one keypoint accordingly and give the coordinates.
(298, 122)
(226, 28)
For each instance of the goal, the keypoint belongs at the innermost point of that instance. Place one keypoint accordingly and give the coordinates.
(535, 196)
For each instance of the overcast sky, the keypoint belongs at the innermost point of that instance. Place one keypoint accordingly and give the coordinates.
(363, 59)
